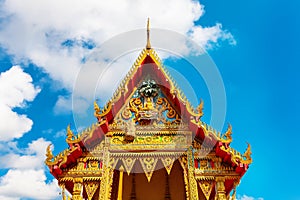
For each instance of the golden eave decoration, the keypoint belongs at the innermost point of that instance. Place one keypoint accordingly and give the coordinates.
(237, 157)
(247, 155)
(101, 113)
(227, 138)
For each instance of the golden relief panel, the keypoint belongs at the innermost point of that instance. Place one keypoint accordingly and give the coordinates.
(149, 142)
(210, 166)
(156, 139)
(148, 106)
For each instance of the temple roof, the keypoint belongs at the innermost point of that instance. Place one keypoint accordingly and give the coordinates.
(149, 65)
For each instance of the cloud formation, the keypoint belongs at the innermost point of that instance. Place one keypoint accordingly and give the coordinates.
(26, 176)
(16, 88)
(58, 35)
(245, 197)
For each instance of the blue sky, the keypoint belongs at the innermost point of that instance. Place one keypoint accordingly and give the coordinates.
(256, 51)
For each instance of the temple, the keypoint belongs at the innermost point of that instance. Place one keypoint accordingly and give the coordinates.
(149, 143)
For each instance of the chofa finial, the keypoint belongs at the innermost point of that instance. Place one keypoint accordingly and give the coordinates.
(148, 46)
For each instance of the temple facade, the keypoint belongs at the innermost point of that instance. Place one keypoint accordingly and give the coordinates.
(149, 143)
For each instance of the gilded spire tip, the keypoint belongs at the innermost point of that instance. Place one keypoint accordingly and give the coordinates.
(148, 46)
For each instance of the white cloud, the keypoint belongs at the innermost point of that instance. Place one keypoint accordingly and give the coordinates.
(31, 157)
(8, 198)
(17, 184)
(26, 176)
(8, 147)
(56, 35)
(208, 37)
(65, 104)
(16, 88)
(60, 133)
(245, 197)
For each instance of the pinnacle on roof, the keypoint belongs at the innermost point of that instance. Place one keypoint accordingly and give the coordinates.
(148, 46)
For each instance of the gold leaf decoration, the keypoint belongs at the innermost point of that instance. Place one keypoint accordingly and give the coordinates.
(206, 187)
(128, 164)
(168, 163)
(90, 188)
(148, 165)
(113, 162)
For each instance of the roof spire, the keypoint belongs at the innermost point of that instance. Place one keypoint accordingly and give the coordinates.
(148, 46)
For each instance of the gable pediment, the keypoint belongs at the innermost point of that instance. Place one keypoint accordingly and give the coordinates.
(148, 105)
